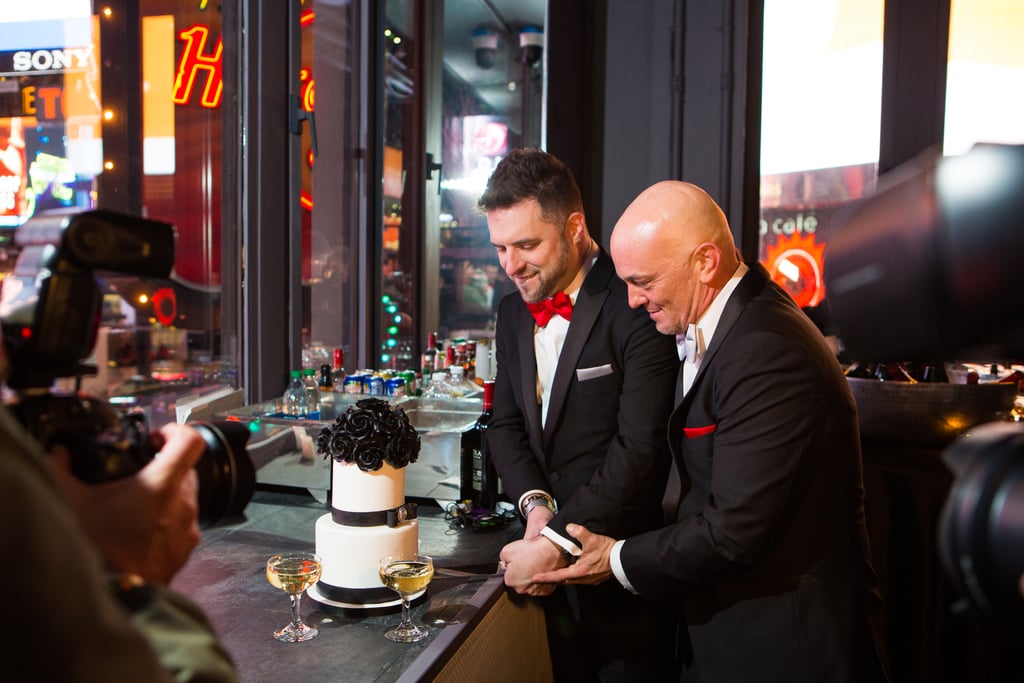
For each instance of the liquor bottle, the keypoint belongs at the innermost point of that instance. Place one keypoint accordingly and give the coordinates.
(484, 361)
(427, 363)
(338, 371)
(471, 360)
(479, 480)
(324, 382)
(293, 402)
(312, 394)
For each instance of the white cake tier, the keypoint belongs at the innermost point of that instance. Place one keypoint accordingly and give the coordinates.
(350, 554)
(354, 490)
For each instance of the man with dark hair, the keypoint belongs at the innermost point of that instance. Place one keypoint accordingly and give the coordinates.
(583, 390)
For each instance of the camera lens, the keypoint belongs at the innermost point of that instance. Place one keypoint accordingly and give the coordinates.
(105, 445)
(981, 532)
(227, 477)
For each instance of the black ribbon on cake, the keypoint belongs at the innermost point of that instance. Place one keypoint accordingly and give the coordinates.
(392, 517)
(367, 597)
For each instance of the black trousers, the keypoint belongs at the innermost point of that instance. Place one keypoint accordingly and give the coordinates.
(606, 634)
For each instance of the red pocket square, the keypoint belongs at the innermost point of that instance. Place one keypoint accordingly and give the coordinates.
(694, 432)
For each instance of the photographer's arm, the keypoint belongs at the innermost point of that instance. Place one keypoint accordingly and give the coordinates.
(66, 623)
(145, 527)
(145, 524)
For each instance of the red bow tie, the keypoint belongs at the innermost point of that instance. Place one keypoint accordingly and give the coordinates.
(559, 304)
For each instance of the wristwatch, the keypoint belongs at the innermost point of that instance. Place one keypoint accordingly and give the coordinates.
(535, 499)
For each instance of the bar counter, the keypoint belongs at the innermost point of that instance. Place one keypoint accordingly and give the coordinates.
(496, 635)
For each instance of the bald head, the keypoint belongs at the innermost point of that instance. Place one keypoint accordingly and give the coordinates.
(674, 214)
(673, 246)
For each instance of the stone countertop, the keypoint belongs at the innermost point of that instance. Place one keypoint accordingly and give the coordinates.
(226, 576)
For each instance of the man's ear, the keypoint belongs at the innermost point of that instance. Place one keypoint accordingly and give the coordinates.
(576, 227)
(709, 258)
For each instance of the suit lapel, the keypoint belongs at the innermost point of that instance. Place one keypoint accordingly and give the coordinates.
(585, 312)
(752, 283)
(528, 372)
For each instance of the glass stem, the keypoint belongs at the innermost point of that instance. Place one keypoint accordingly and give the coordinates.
(296, 619)
(406, 619)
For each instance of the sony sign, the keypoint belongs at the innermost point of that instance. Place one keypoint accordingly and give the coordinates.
(65, 59)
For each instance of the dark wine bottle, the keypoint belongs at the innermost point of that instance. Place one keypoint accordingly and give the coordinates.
(479, 481)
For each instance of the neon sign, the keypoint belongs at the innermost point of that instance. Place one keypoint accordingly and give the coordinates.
(796, 263)
(193, 60)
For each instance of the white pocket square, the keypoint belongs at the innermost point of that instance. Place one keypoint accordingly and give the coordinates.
(583, 374)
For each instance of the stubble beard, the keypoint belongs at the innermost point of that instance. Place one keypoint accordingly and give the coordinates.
(547, 281)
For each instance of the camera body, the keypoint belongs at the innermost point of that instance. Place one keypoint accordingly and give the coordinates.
(50, 309)
(926, 269)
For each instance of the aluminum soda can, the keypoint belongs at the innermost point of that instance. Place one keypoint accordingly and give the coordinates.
(354, 384)
(375, 386)
(394, 386)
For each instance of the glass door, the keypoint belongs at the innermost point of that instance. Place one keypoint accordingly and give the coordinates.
(492, 102)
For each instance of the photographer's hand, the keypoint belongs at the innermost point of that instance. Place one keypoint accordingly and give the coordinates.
(145, 524)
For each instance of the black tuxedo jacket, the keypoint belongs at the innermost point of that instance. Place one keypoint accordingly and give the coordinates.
(768, 548)
(603, 452)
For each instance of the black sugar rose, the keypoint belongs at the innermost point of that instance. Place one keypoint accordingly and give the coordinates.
(369, 434)
(370, 458)
(396, 454)
(392, 422)
(342, 446)
(360, 424)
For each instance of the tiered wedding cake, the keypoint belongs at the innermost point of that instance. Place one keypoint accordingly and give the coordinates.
(371, 443)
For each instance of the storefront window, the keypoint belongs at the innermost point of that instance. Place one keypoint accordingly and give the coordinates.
(333, 263)
(118, 107)
(820, 127)
(985, 74)
(491, 104)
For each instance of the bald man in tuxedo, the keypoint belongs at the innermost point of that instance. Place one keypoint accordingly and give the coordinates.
(766, 551)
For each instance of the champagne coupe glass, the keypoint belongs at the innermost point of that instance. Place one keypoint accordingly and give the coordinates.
(407, 575)
(294, 573)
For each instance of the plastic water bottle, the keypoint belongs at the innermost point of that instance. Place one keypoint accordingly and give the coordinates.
(439, 387)
(459, 386)
(312, 394)
(293, 402)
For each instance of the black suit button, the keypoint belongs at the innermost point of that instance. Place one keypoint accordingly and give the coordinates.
(555, 477)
